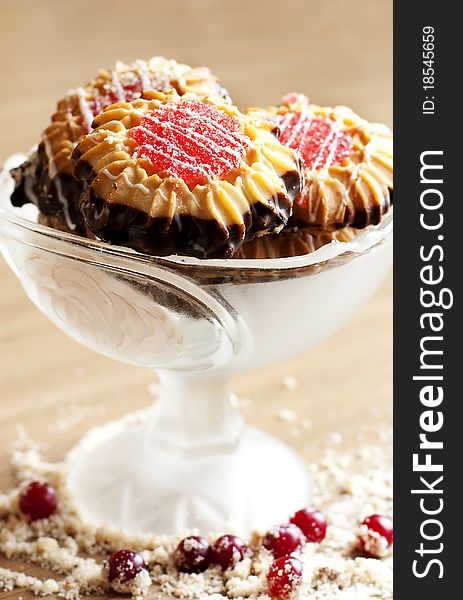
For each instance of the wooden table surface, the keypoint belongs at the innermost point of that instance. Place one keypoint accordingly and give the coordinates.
(337, 52)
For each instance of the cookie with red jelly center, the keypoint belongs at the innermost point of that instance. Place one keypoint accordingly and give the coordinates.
(46, 178)
(169, 174)
(347, 163)
(191, 140)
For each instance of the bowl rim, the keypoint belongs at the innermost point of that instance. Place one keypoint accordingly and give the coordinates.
(363, 242)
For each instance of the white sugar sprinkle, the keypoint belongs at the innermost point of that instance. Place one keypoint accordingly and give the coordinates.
(347, 487)
(290, 383)
(287, 415)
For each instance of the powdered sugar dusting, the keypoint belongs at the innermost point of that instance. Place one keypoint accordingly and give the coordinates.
(190, 140)
(127, 84)
(321, 142)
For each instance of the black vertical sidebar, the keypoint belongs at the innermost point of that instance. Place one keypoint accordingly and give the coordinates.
(428, 268)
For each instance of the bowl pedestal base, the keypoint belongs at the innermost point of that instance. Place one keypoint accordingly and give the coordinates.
(191, 464)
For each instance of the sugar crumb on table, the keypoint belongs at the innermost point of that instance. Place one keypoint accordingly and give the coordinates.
(348, 486)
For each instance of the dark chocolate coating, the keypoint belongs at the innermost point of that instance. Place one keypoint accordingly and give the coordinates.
(125, 226)
(186, 235)
(362, 219)
(34, 185)
(357, 219)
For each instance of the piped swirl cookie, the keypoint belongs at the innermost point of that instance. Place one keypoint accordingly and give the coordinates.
(169, 174)
(46, 178)
(347, 162)
(290, 243)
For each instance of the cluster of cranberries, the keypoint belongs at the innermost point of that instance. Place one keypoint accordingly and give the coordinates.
(285, 573)
(194, 554)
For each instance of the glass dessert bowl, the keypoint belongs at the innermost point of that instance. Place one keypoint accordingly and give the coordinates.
(192, 463)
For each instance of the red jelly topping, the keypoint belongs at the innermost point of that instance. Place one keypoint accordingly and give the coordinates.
(123, 87)
(191, 140)
(294, 98)
(319, 141)
(125, 93)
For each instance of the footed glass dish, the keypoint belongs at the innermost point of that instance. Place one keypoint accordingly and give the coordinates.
(193, 462)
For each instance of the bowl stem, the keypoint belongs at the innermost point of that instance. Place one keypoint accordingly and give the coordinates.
(194, 414)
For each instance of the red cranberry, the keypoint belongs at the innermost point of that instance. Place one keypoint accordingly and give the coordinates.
(376, 535)
(125, 565)
(193, 554)
(284, 576)
(283, 539)
(228, 550)
(38, 500)
(312, 524)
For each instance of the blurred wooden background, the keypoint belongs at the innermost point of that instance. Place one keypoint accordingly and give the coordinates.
(337, 52)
